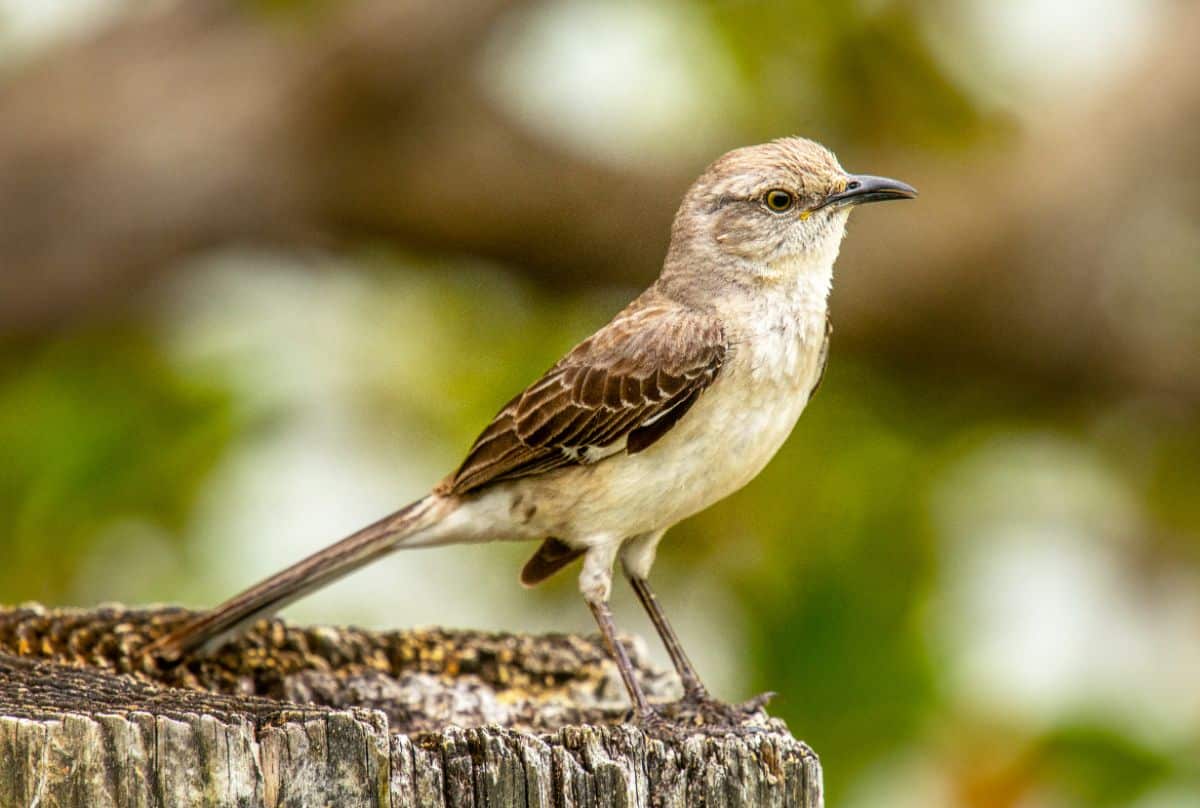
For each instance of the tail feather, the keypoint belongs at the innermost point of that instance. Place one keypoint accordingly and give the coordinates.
(320, 568)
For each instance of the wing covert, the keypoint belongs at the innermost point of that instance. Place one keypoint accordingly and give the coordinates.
(620, 390)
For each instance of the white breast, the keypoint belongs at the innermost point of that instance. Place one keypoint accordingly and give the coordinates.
(752, 409)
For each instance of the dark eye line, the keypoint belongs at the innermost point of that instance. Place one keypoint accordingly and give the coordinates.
(759, 199)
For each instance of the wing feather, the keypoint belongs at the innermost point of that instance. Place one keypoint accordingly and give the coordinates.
(621, 389)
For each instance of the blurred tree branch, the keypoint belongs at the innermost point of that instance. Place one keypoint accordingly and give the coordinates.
(209, 123)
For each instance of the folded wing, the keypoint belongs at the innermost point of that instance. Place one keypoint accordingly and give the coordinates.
(618, 391)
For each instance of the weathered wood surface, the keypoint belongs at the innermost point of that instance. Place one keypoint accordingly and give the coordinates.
(288, 716)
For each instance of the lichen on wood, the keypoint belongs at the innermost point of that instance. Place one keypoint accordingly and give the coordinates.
(339, 716)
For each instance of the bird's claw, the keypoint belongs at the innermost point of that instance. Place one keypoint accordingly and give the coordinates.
(702, 710)
(699, 712)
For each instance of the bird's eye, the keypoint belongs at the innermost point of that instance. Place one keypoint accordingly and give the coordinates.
(779, 200)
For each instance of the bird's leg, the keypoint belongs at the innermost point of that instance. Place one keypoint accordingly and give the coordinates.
(693, 688)
(603, 615)
(595, 583)
(697, 706)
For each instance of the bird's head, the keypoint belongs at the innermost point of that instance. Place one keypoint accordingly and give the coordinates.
(774, 207)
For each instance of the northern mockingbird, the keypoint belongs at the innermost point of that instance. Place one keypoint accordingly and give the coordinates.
(676, 403)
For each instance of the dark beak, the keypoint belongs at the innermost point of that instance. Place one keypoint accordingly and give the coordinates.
(864, 188)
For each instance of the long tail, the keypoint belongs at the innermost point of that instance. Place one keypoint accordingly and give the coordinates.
(411, 526)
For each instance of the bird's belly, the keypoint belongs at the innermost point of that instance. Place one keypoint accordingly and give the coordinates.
(725, 447)
(722, 443)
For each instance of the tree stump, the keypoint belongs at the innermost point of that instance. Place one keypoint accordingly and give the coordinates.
(291, 716)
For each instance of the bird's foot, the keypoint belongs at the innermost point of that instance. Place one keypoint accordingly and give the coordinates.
(702, 710)
(654, 722)
(699, 712)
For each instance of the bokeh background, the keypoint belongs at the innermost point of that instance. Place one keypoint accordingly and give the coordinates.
(266, 266)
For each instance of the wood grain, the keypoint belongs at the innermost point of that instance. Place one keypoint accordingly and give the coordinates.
(330, 716)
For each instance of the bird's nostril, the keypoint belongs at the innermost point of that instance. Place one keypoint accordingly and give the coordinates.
(853, 185)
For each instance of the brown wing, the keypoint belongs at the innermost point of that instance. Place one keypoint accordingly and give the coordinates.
(618, 391)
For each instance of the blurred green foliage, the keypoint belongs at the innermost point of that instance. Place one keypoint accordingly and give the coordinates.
(847, 72)
(1095, 765)
(96, 427)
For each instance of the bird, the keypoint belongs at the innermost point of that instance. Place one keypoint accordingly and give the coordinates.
(677, 402)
